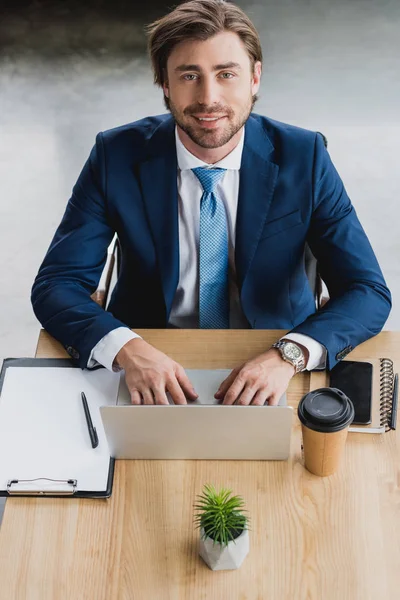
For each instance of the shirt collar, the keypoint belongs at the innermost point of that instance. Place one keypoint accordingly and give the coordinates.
(186, 160)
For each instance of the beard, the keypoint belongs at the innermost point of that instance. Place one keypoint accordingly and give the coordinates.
(210, 138)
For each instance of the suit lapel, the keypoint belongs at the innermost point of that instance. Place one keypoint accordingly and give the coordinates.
(158, 176)
(258, 177)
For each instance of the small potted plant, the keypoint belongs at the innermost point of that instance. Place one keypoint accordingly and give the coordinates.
(224, 535)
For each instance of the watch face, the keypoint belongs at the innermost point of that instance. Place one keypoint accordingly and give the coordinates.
(292, 351)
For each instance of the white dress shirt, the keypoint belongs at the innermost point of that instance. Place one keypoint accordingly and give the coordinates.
(185, 306)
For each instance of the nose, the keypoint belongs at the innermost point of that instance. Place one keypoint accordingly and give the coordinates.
(208, 92)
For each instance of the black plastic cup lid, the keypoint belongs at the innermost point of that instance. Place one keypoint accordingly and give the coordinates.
(326, 410)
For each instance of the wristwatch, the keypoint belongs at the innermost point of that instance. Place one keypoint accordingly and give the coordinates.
(292, 353)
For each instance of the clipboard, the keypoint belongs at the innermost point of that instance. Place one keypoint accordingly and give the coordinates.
(45, 448)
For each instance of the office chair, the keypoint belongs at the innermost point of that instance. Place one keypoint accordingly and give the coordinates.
(102, 293)
(317, 284)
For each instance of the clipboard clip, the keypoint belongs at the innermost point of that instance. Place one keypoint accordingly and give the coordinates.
(42, 486)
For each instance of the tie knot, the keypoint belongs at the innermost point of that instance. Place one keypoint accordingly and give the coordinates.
(208, 178)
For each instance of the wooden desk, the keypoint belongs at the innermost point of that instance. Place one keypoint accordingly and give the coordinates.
(336, 538)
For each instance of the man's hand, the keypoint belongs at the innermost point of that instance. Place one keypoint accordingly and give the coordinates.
(265, 377)
(149, 374)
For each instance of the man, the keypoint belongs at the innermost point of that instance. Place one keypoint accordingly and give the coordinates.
(213, 207)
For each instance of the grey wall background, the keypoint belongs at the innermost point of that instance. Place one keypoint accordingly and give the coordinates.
(68, 71)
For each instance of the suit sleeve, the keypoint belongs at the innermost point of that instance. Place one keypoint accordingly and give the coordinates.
(360, 301)
(73, 265)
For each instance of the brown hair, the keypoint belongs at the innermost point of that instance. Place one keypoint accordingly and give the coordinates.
(198, 20)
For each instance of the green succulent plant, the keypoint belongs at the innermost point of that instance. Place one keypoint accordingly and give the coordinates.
(220, 514)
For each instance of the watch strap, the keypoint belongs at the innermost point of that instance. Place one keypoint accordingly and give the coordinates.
(300, 363)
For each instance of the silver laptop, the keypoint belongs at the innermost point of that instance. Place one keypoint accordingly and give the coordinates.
(203, 429)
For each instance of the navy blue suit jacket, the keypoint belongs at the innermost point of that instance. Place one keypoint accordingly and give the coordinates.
(290, 194)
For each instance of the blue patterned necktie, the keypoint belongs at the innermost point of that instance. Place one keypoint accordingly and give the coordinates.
(213, 254)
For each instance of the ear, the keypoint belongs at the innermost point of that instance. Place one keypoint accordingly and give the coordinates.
(165, 85)
(256, 78)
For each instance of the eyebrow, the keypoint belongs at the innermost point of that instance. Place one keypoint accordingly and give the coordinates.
(228, 65)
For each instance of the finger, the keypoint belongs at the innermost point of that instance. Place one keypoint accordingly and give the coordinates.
(148, 397)
(186, 384)
(234, 391)
(176, 391)
(225, 385)
(160, 396)
(274, 399)
(260, 397)
(246, 396)
(136, 397)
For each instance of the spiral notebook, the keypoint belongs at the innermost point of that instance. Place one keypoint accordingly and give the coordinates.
(45, 442)
(384, 395)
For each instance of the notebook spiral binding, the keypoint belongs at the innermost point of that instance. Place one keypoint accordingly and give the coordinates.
(386, 392)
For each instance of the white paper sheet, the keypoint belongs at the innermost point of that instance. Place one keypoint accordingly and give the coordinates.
(43, 430)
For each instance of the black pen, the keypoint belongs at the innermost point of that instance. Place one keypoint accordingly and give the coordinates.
(394, 405)
(92, 430)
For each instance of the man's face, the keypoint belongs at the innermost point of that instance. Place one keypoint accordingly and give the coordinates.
(210, 86)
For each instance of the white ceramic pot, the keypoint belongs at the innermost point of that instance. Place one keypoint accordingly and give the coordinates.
(219, 557)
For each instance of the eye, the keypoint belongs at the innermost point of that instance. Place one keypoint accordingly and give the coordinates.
(227, 75)
(189, 77)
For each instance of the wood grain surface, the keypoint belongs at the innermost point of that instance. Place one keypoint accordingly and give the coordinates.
(335, 538)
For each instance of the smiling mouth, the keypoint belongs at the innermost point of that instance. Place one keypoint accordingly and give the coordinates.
(208, 119)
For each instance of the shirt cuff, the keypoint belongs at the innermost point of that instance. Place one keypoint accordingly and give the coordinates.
(107, 348)
(317, 352)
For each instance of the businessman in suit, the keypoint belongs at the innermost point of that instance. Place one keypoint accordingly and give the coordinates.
(213, 205)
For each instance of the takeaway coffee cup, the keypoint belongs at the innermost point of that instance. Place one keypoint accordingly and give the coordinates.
(325, 415)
